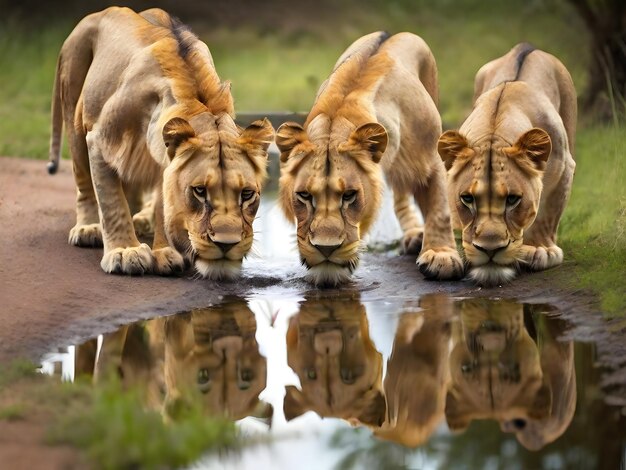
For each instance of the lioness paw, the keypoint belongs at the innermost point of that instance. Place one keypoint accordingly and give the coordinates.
(412, 241)
(143, 224)
(539, 258)
(441, 264)
(89, 235)
(133, 260)
(168, 261)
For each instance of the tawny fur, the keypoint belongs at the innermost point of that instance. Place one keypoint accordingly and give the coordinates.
(340, 370)
(511, 165)
(376, 114)
(143, 106)
(499, 371)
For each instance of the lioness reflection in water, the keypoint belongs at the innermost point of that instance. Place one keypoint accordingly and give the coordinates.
(208, 356)
(507, 365)
(418, 372)
(340, 370)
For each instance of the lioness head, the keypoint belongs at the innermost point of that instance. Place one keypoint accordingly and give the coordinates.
(495, 187)
(495, 367)
(331, 188)
(211, 355)
(340, 370)
(211, 189)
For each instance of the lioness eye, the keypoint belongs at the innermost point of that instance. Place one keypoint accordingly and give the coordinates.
(200, 191)
(247, 194)
(512, 199)
(304, 196)
(349, 196)
(204, 380)
(467, 199)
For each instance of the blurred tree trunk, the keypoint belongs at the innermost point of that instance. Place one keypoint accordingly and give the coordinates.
(606, 21)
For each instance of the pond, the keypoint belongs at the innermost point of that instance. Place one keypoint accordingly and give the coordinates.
(337, 382)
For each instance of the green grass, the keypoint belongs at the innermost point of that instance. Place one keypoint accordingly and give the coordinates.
(593, 229)
(116, 432)
(108, 424)
(281, 68)
(13, 412)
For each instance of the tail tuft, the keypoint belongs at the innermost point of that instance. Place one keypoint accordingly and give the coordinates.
(53, 167)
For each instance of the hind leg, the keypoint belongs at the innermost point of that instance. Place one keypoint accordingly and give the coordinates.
(411, 228)
(86, 232)
(439, 258)
(143, 213)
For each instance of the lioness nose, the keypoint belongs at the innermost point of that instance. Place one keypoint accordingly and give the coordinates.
(225, 247)
(328, 342)
(491, 252)
(327, 250)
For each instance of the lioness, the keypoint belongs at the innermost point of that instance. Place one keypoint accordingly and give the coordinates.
(340, 370)
(510, 166)
(212, 355)
(208, 357)
(377, 110)
(495, 367)
(142, 104)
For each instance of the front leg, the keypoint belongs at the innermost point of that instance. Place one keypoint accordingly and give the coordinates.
(123, 254)
(167, 260)
(540, 250)
(538, 258)
(439, 258)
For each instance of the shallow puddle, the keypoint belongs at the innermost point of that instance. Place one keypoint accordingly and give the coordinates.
(336, 382)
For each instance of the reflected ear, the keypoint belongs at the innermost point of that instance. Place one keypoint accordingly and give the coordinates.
(535, 145)
(542, 405)
(371, 137)
(295, 403)
(288, 135)
(375, 410)
(175, 132)
(457, 419)
(178, 334)
(258, 135)
(453, 145)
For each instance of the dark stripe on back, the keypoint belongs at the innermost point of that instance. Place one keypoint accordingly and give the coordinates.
(183, 35)
(382, 37)
(524, 49)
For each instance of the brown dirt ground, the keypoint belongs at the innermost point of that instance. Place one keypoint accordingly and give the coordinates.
(53, 294)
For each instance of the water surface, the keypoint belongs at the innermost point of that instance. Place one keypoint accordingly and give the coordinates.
(337, 382)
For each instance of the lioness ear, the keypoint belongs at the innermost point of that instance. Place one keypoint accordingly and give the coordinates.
(175, 132)
(374, 411)
(259, 134)
(451, 146)
(288, 135)
(542, 404)
(295, 403)
(534, 144)
(371, 137)
(457, 417)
